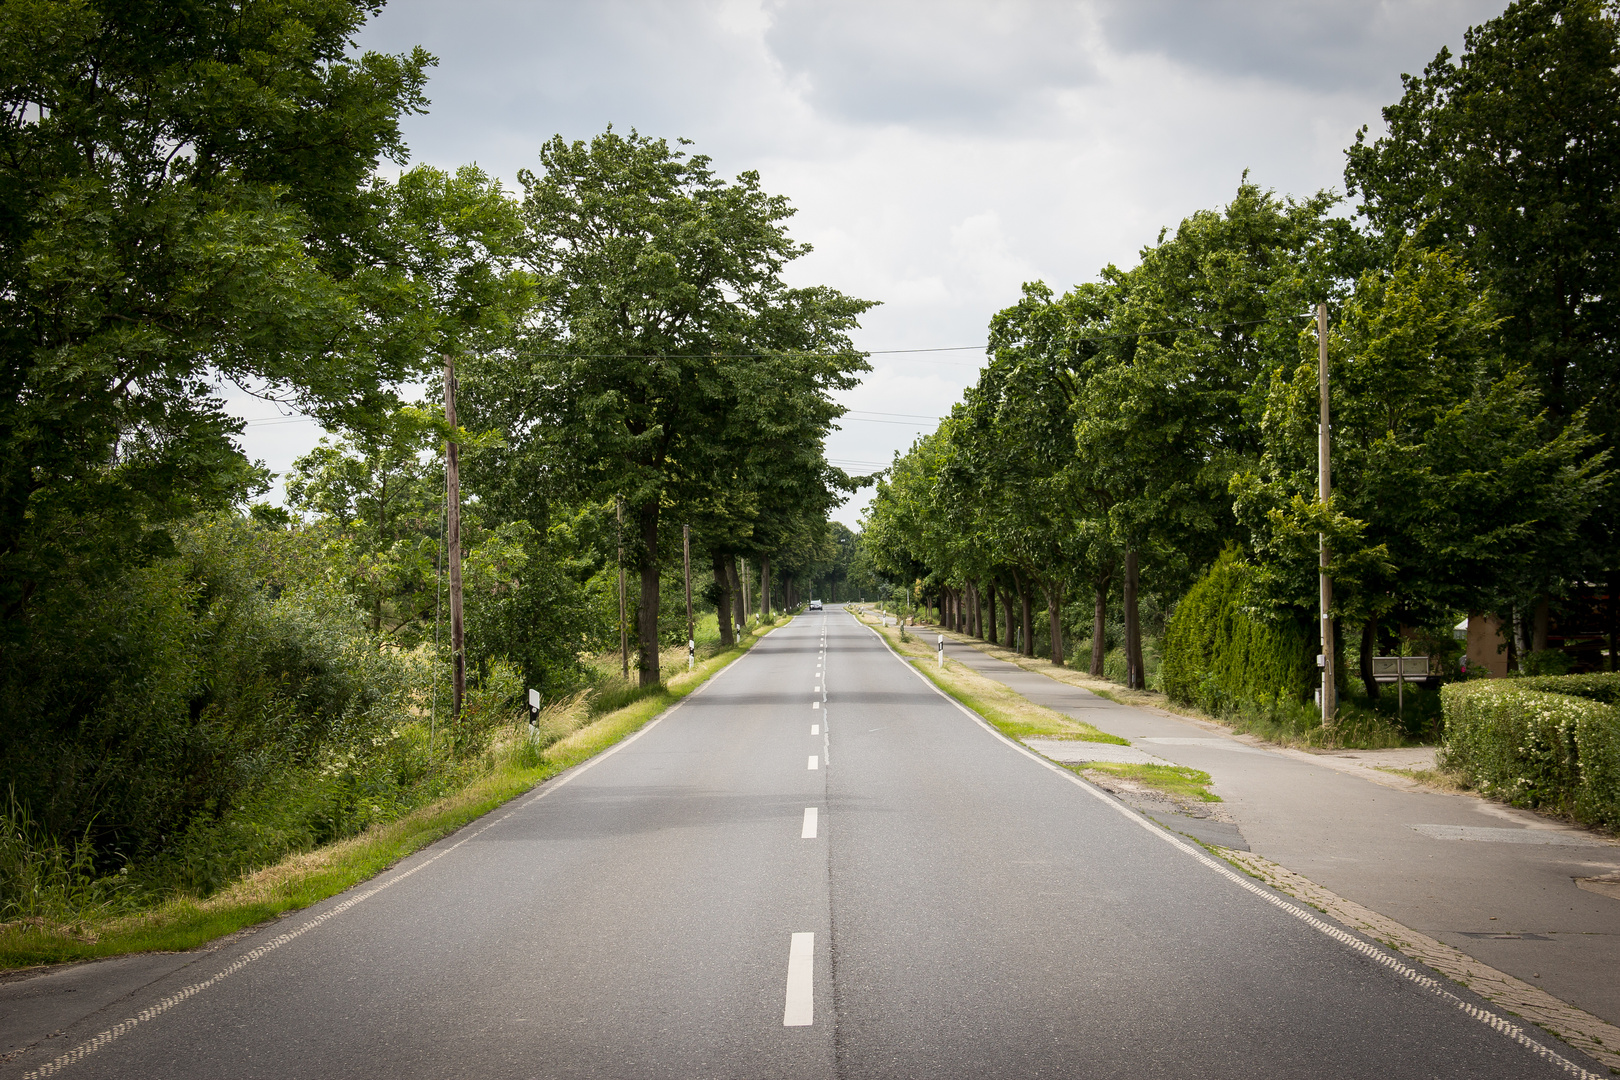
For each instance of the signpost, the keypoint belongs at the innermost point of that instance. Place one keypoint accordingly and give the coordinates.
(1397, 669)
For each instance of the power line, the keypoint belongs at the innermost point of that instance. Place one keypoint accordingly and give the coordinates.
(810, 355)
(898, 423)
(907, 415)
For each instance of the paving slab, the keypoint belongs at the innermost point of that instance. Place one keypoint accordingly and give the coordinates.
(1509, 887)
(1077, 752)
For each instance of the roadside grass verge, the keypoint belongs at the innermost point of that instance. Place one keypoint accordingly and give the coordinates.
(1176, 781)
(1289, 725)
(185, 922)
(1011, 713)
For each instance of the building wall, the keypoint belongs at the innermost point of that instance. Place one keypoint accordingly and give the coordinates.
(1487, 645)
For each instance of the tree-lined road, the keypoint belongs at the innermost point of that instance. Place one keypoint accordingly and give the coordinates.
(973, 911)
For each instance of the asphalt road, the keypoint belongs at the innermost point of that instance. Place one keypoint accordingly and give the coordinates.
(962, 909)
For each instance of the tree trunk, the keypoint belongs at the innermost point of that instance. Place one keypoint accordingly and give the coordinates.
(1369, 645)
(975, 616)
(1614, 620)
(1026, 602)
(764, 587)
(1099, 623)
(647, 609)
(1135, 677)
(1007, 605)
(722, 601)
(1054, 610)
(990, 623)
(1538, 635)
(739, 599)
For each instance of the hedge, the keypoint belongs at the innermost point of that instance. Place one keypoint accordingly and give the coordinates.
(1535, 748)
(1601, 686)
(1218, 654)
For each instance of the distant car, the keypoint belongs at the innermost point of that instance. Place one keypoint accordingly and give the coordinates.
(815, 605)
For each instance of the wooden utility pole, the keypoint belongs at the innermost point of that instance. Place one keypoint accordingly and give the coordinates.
(1324, 490)
(452, 484)
(686, 564)
(624, 626)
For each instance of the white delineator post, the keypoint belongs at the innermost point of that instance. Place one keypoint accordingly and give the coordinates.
(1324, 490)
(942, 652)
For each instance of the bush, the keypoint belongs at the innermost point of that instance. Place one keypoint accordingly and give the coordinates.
(1221, 656)
(1546, 662)
(1601, 686)
(1535, 749)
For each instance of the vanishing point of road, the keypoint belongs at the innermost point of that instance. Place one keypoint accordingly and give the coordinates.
(816, 866)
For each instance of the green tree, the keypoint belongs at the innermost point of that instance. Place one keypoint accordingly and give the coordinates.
(1169, 366)
(186, 202)
(1453, 488)
(1510, 155)
(666, 332)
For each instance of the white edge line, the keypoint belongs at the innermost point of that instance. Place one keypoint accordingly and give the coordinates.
(1344, 937)
(151, 1012)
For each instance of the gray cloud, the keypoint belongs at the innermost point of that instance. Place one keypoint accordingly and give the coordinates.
(940, 153)
(951, 63)
(1325, 45)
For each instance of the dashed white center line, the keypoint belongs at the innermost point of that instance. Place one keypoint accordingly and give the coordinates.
(801, 1004)
(815, 704)
(815, 762)
(811, 814)
(815, 729)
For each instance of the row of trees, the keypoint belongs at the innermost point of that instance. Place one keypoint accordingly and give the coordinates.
(1125, 433)
(190, 200)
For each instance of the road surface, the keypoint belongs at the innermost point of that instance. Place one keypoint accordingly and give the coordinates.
(817, 866)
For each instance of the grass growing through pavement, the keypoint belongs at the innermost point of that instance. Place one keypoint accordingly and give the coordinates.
(1439, 779)
(185, 922)
(1010, 712)
(1177, 781)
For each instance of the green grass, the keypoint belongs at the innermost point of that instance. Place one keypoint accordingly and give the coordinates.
(1175, 780)
(186, 922)
(1441, 779)
(1008, 711)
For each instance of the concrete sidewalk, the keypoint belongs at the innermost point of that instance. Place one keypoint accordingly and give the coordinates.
(1496, 883)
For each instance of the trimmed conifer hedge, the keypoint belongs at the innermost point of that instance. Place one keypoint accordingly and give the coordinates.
(1219, 655)
(1535, 748)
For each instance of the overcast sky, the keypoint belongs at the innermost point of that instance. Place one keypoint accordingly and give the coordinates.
(939, 153)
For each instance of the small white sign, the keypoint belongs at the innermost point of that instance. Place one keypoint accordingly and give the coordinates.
(534, 699)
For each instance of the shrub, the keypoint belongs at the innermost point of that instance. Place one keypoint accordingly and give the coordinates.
(1546, 662)
(1534, 748)
(1601, 686)
(1220, 655)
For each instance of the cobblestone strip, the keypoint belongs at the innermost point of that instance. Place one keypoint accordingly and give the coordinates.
(1580, 1029)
